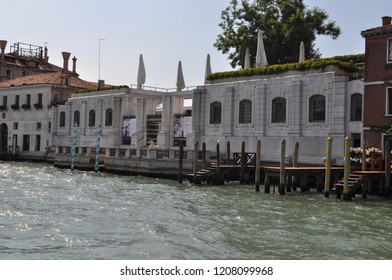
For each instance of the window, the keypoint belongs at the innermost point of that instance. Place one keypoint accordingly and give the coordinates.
(38, 105)
(278, 110)
(5, 101)
(91, 118)
(17, 100)
(76, 119)
(28, 101)
(317, 108)
(37, 142)
(215, 112)
(245, 111)
(62, 119)
(39, 126)
(49, 126)
(15, 126)
(389, 60)
(26, 143)
(109, 117)
(356, 107)
(389, 101)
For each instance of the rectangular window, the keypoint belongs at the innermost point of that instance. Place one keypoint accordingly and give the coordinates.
(5, 101)
(28, 99)
(40, 98)
(15, 126)
(37, 142)
(49, 126)
(26, 143)
(38, 126)
(17, 100)
(389, 101)
(389, 51)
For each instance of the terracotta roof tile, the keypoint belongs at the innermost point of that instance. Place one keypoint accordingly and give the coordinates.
(53, 78)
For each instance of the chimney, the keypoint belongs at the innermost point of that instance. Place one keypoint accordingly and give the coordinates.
(66, 56)
(74, 64)
(101, 84)
(46, 57)
(386, 21)
(3, 44)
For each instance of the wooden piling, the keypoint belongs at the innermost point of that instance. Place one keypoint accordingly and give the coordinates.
(295, 164)
(267, 184)
(218, 163)
(257, 170)
(242, 166)
(363, 156)
(203, 155)
(180, 162)
(282, 182)
(387, 167)
(228, 153)
(195, 160)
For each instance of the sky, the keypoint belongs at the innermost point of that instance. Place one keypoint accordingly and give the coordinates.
(107, 37)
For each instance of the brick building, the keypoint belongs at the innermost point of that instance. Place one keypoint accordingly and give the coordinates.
(378, 82)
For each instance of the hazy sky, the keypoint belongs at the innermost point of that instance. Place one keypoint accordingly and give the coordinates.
(164, 31)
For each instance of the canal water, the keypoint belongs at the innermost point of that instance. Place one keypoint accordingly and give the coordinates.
(49, 213)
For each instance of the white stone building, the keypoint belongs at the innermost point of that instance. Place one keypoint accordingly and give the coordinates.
(301, 107)
(26, 128)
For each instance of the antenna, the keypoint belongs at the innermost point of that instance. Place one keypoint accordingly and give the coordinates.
(99, 57)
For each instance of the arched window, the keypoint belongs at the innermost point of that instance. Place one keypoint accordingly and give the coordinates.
(278, 110)
(91, 118)
(245, 111)
(109, 117)
(62, 119)
(356, 107)
(215, 112)
(317, 108)
(77, 118)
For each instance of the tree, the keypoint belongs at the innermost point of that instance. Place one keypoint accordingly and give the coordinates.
(285, 23)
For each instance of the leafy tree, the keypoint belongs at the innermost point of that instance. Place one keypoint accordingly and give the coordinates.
(285, 23)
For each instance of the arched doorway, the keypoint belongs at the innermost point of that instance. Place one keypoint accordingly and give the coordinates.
(3, 138)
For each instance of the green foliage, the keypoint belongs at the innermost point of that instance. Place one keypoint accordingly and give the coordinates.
(97, 89)
(285, 23)
(299, 66)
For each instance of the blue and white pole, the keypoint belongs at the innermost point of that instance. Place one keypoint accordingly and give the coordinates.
(346, 195)
(328, 167)
(75, 132)
(97, 146)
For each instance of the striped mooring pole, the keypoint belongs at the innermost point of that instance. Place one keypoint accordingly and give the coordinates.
(75, 131)
(97, 146)
(346, 195)
(327, 183)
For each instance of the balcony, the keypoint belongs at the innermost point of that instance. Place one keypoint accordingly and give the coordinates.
(26, 106)
(15, 107)
(38, 105)
(3, 108)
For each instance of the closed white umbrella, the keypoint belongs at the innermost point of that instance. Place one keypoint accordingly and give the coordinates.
(208, 69)
(180, 78)
(261, 58)
(141, 73)
(302, 52)
(247, 59)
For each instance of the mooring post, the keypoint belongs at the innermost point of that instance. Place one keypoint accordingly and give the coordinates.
(327, 182)
(204, 155)
(387, 167)
(295, 164)
(267, 184)
(180, 160)
(195, 160)
(257, 171)
(346, 194)
(75, 131)
(363, 156)
(218, 162)
(242, 162)
(282, 181)
(228, 153)
(97, 147)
